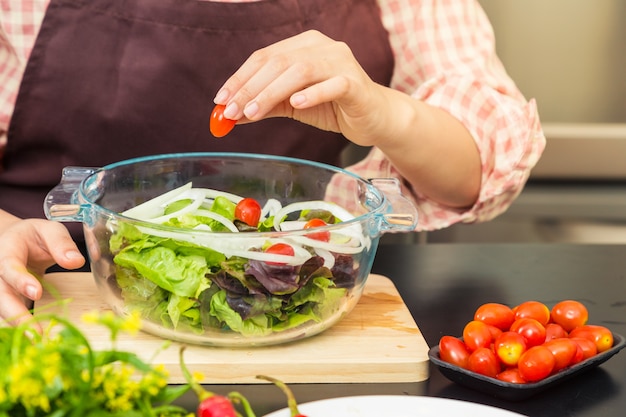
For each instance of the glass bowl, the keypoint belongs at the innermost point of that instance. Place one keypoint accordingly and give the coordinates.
(206, 282)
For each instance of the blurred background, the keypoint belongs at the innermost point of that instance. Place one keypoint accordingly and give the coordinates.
(570, 55)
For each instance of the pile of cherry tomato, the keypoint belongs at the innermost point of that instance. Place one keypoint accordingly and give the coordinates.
(526, 343)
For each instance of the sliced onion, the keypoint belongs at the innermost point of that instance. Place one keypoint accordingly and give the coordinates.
(154, 207)
(213, 194)
(329, 259)
(231, 246)
(271, 207)
(218, 218)
(337, 211)
(349, 249)
(198, 198)
(292, 225)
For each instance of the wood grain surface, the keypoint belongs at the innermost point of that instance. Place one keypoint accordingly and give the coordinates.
(377, 342)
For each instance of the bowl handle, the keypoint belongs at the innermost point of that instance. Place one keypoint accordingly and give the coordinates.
(60, 203)
(402, 215)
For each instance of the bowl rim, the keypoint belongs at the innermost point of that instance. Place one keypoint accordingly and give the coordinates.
(240, 155)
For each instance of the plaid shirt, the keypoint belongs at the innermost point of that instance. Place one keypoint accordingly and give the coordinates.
(444, 55)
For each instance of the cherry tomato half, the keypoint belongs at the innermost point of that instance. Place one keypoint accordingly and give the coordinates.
(219, 125)
(279, 249)
(495, 314)
(454, 351)
(248, 210)
(323, 236)
(569, 314)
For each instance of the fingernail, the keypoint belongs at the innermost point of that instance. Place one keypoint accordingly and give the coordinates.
(221, 96)
(72, 254)
(31, 291)
(230, 112)
(298, 99)
(251, 109)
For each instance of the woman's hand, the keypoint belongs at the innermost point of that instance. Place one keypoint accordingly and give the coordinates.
(317, 80)
(310, 78)
(29, 247)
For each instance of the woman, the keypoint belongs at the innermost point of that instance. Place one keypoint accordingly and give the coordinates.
(418, 80)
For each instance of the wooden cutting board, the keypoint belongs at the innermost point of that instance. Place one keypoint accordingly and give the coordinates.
(377, 342)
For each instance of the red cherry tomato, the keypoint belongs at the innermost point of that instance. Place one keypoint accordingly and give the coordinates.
(533, 331)
(279, 249)
(587, 346)
(323, 236)
(248, 210)
(495, 314)
(495, 332)
(569, 314)
(536, 363)
(534, 310)
(509, 347)
(554, 331)
(454, 351)
(483, 361)
(219, 125)
(511, 375)
(476, 334)
(564, 351)
(600, 335)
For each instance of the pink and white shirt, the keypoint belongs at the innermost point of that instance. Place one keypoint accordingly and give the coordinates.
(444, 55)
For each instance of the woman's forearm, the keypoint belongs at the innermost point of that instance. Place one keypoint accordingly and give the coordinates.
(432, 150)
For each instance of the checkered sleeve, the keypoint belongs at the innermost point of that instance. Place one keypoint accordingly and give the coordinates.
(445, 56)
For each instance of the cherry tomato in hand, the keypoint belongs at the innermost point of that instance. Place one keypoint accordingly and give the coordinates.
(483, 361)
(219, 125)
(248, 210)
(569, 314)
(509, 347)
(495, 314)
(280, 249)
(323, 236)
(454, 351)
(536, 363)
(534, 310)
(476, 334)
(600, 335)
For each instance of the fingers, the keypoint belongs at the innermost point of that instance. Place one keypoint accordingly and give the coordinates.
(13, 309)
(264, 83)
(29, 248)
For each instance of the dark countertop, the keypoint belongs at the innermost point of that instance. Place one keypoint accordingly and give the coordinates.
(443, 284)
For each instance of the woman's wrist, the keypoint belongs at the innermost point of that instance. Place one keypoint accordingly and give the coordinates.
(431, 149)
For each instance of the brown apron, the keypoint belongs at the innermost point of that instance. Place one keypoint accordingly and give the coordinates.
(110, 80)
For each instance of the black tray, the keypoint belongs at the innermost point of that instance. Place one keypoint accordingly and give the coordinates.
(516, 392)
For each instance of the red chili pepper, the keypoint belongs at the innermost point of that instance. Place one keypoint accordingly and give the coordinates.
(211, 404)
(216, 406)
